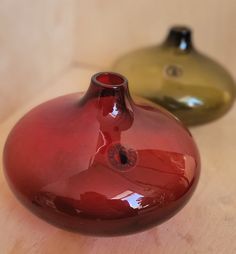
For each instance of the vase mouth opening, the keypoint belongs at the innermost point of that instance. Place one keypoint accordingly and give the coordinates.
(109, 79)
(181, 29)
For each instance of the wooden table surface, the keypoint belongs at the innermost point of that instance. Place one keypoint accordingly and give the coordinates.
(207, 224)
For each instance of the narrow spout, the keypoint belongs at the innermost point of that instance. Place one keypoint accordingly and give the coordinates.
(113, 87)
(180, 37)
(110, 94)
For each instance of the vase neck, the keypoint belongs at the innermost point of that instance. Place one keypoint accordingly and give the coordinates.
(110, 95)
(179, 37)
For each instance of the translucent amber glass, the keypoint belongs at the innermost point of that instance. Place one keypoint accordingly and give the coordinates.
(177, 76)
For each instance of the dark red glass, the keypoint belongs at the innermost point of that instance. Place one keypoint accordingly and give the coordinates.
(102, 164)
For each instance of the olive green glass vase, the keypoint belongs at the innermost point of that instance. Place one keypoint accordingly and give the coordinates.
(177, 76)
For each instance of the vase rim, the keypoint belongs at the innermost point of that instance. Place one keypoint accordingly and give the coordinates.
(109, 79)
(181, 29)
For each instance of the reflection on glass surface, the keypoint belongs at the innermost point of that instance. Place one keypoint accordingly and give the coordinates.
(134, 199)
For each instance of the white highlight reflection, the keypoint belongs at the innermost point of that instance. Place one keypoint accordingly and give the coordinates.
(115, 111)
(191, 101)
(134, 199)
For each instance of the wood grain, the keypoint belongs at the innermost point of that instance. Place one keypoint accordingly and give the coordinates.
(206, 225)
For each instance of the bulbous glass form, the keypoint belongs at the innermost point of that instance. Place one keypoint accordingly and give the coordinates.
(178, 77)
(100, 163)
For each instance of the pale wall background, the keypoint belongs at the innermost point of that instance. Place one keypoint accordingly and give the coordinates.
(39, 40)
(106, 29)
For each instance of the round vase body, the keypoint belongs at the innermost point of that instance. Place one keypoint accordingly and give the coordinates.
(178, 77)
(101, 164)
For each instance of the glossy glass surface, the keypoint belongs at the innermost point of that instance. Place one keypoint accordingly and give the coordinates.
(102, 164)
(177, 76)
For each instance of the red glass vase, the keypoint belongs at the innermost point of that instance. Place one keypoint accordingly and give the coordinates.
(101, 164)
